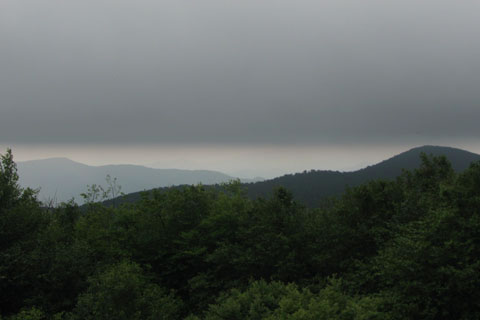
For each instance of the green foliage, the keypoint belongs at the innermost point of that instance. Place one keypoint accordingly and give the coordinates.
(123, 292)
(29, 314)
(404, 249)
(21, 221)
(275, 300)
(9, 189)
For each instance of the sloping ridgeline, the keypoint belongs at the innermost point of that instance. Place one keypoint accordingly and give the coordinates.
(311, 187)
(64, 179)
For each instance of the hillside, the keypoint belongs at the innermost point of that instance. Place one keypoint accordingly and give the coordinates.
(313, 186)
(384, 250)
(62, 179)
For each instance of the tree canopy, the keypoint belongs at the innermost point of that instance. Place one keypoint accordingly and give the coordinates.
(406, 248)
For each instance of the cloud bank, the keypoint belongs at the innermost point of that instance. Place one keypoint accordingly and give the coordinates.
(238, 72)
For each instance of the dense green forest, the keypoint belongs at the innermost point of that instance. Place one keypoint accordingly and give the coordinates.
(405, 248)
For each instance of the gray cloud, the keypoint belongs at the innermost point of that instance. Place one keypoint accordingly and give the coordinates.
(238, 72)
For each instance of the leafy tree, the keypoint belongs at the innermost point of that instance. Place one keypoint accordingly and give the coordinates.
(275, 300)
(10, 191)
(61, 263)
(123, 291)
(21, 220)
(29, 314)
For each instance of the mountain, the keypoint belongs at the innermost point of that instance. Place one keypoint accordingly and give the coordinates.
(62, 179)
(313, 186)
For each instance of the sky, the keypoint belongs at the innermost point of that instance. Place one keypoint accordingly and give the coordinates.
(250, 87)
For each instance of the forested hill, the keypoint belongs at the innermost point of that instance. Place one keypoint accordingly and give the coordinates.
(313, 186)
(394, 250)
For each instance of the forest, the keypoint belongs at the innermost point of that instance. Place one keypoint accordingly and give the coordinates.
(405, 248)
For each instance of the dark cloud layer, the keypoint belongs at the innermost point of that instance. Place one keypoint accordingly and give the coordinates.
(238, 72)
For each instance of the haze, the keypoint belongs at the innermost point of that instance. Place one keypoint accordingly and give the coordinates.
(245, 87)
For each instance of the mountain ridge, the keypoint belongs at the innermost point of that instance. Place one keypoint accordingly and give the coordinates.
(309, 187)
(64, 179)
(313, 186)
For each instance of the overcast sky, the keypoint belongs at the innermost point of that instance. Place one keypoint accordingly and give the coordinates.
(239, 75)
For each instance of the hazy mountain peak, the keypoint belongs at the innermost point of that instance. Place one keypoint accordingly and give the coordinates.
(65, 179)
(53, 159)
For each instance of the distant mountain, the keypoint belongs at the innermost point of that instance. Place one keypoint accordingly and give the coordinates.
(313, 186)
(63, 179)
